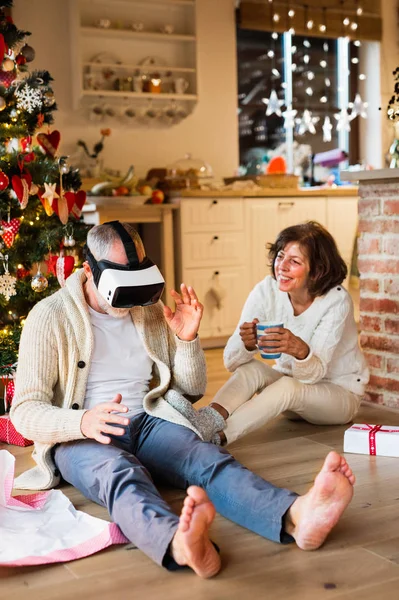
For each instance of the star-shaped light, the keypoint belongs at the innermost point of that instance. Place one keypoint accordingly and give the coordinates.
(307, 123)
(273, 104)
(359, 108)
(343, 120)
(327, 127)
(289, 118)
(50, 192)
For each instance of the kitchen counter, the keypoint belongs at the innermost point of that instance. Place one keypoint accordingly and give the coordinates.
(272, 192)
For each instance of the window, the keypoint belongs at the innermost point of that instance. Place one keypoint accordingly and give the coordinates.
(291, 89)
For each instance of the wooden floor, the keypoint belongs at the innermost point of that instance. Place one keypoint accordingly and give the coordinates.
(360, 560)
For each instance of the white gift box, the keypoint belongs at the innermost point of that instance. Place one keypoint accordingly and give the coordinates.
(380, 440)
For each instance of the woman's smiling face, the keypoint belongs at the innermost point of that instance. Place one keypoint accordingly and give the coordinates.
(291, 268)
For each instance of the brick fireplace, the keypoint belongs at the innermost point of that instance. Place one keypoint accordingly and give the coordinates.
(378, 262)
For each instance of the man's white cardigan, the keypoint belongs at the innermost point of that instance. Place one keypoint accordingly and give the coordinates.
(54, 363)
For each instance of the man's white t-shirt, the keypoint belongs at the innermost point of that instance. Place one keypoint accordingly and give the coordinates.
(119, 365)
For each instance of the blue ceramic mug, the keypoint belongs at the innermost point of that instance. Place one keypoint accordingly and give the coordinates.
(261, 329)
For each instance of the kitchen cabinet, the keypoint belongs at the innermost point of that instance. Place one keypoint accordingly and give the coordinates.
(221, 244)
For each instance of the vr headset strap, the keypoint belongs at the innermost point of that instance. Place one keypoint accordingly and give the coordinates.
(127, 241)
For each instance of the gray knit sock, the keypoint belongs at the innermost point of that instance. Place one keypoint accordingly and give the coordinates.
(182, 405)
(209, 422)
(206, 420)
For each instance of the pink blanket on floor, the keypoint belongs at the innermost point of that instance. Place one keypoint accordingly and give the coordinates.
(45, 527)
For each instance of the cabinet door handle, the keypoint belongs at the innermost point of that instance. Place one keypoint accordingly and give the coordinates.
(286, 204)
(214, 201)
(215, 237)
(216, 273)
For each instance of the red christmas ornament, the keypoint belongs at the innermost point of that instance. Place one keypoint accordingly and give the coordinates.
(4, 181)
(10, 231)
(7, 78)
(21, 273)
(3, 46)
(51, 263)
(25, 143)
(20, 60)
(49, 142)
(21, 186)
(64, 266)
(78, 201)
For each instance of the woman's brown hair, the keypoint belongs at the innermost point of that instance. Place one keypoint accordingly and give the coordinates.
(327, 267)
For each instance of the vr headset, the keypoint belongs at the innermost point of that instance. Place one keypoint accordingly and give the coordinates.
(125, 286)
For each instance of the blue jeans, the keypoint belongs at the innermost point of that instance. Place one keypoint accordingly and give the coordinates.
(119, 477)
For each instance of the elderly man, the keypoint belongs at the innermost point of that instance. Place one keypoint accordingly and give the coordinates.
(97, 360)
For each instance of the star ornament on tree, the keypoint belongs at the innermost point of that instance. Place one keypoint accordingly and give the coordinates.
(327, 127)
(307, 123)
(289, 118)
(50, 193)
(273, 104)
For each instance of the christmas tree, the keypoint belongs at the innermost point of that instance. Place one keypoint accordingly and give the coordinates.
(41, 230)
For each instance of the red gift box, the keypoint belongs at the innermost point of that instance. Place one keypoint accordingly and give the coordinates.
(10, 435)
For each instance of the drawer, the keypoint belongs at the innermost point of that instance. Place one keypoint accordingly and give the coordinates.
(212, 249)
(223, 293)
(212, 214)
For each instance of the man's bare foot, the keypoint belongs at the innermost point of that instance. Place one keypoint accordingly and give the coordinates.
(312, 516)
(191, 544)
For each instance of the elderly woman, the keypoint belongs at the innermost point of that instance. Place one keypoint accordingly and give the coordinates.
(321, 373)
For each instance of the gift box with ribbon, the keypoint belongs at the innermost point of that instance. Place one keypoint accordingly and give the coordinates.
(8, 433)
(375, 440)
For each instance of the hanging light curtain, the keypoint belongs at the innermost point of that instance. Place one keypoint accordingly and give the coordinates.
(356, 19)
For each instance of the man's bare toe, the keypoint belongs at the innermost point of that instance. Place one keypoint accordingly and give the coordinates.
(191, 545)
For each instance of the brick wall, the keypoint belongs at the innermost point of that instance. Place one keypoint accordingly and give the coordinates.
(379, 288)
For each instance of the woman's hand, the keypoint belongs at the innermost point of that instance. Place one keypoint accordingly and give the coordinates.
(279, 339)
(248, 335)
(186, 319)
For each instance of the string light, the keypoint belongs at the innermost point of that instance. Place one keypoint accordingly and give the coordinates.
(308, 22)
(323, 26)
(346, 21)
(291, 13)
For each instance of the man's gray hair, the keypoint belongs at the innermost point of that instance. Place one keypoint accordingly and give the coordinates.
(101, 238)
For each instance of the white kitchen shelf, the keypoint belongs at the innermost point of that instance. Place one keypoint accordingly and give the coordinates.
(125, 66)
(124, 50)
(138, 95)
(188, 3)
(137, 35)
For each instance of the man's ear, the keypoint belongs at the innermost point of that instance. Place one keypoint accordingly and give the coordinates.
(87, 270)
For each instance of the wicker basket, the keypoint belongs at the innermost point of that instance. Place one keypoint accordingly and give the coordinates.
(274, 180)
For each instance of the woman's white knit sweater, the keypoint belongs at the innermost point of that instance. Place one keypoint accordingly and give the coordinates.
(54, 363)
(327, 326)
